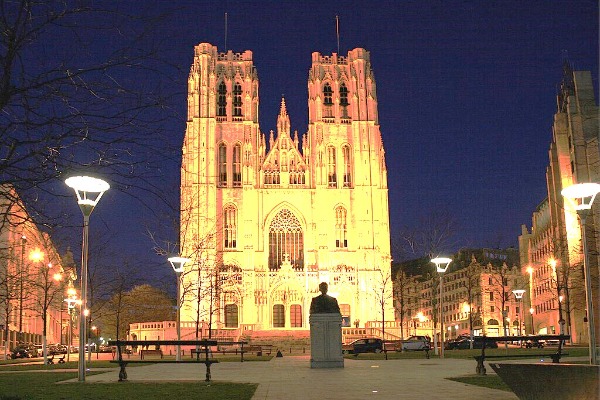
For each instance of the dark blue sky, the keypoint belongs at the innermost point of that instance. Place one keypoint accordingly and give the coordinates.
(466, 93)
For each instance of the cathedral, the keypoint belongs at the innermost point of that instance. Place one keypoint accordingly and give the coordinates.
(266, 217)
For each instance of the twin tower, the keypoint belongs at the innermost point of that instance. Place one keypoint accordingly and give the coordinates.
(266, 218)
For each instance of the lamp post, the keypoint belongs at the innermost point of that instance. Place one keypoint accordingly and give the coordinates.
(89, 191)
(531, 311)
(177, 263)
(71, 301)
(441, 264)
(519, 296)
(584, 195)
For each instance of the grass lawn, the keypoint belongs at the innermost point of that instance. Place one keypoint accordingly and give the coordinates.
(30, 386)
(488, 381)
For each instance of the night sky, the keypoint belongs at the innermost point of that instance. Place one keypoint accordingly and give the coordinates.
(466, 92)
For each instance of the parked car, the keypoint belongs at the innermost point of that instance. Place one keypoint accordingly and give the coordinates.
(477, 343)
(21, 352)
(57, 348)
(413, 343)
(39, 351)
(365, 345)
(451, 344)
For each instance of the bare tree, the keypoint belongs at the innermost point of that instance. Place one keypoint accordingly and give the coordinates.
(472, 286)
(48, 286)
(383, 293)
(434, 234)
(70, 104)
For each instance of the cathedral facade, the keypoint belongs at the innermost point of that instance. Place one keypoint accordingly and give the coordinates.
(266, 218)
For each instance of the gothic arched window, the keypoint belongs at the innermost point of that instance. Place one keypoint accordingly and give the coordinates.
(327, 95)
(237, 100)
(343, 95)
(222, 164)
(237, 165)
(347, 165)
(286, 240)
(341, 229)
(222, 100)
(229, 227)
(331, 176)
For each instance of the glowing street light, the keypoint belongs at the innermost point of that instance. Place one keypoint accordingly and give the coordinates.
(177, 263)
(441, 264)
(584, 194)
(519, 296)
(89, 191)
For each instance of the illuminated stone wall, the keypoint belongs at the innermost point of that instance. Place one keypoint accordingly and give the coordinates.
(574, 157)
(266, 217)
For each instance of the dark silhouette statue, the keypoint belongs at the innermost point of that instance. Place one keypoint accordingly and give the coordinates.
(324, 303)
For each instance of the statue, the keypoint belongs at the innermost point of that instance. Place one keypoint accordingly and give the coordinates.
(324, 303)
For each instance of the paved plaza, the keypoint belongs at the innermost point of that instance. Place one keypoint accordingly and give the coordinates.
(291, 378)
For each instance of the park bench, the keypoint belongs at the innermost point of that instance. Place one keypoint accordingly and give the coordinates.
(555, 356)
(60, 360)
(205, 344)
(148, 352)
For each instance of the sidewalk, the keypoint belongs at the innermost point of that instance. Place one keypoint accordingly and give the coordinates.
(292, 378)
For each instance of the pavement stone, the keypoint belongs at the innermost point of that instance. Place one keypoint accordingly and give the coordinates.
(291, 378)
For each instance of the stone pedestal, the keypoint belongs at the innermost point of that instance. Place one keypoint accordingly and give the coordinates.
(326, 341)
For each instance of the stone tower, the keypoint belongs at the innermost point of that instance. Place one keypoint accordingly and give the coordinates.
(266, 219)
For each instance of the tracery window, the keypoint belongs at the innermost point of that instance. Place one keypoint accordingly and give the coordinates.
(296, 316)
(286, 239)
(222, 100)
(347, 166)
(237, 100)
(327, 95)
(230, 227)
(222, 164)
(278, 316)
(237, 165)
(331, 176)
(341, 230)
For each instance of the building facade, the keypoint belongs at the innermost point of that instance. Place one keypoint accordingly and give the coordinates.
(266, 218)
(33, 278)
(477, 297)
(551, 251)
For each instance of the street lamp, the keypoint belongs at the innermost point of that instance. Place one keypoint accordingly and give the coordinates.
(531, 311)
(441, 264)
(584, 195)
(519, 296)
(177, 263)
(89, 191)
(71, 301)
